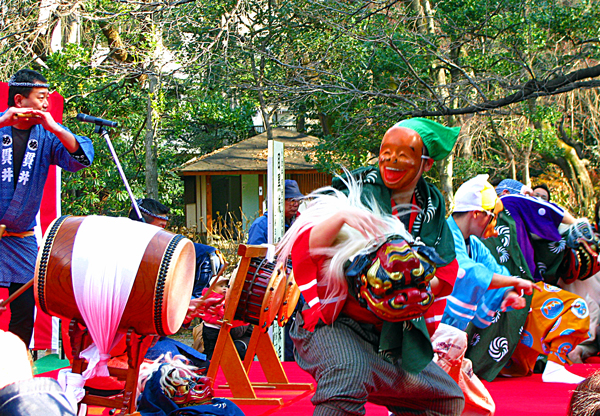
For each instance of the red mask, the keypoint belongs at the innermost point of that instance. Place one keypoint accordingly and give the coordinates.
(400, 162)
(393, 282)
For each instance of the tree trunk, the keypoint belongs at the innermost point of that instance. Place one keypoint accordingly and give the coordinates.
(264, 111)
(150, 146)
(579, 178)
(537, 125)
(427, 26)
(73, 28)
(446, 166)
(508, 152)
(466, 149)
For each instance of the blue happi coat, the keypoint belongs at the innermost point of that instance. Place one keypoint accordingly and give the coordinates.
(470, 299)
(19, 207)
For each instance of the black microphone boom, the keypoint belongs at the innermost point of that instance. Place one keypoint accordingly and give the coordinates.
(96, 120)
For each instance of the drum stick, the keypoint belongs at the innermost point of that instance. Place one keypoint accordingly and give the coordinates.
(17, 293)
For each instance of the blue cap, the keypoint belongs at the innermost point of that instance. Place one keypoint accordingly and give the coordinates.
(292, 191)
(510, 185)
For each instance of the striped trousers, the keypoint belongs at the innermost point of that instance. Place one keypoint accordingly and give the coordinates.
(343, 360)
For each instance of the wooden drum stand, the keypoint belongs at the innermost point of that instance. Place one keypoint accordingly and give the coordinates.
(137, 346)
(225, 355)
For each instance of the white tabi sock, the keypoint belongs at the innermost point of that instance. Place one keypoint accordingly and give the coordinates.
(556, 373)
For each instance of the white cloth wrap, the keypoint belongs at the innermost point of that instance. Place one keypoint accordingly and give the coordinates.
(270, 256)
(72, 384)
(449, 343)
(107, 253)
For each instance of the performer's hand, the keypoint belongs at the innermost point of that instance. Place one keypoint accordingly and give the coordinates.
(525, 287)
(514, 300)
(46, 120)
(15, 115)
(368, 224)
(14, 360)
(325, 234)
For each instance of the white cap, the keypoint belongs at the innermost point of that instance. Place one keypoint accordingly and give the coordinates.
(222, 278)
(476, 194)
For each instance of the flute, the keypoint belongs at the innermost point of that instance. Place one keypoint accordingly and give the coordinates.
(25, 115)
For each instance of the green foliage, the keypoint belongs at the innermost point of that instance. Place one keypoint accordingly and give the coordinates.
(465, 169)
(206, 120)
(353, 69)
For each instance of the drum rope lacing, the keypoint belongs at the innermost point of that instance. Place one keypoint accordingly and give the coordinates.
(160, 282)
(44, 260)
(245, 298)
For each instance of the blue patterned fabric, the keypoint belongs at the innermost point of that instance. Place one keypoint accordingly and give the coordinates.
(19, 207)
(510, 185)
(470, 299)
(166, 345)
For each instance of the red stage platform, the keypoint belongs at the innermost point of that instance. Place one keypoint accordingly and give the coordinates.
(527, 396)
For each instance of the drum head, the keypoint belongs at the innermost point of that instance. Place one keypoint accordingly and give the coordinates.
(178, 286)
(273, 299)
(290, 300)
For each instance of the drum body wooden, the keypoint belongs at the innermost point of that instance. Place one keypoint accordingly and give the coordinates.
(160, 294)
(262, 294)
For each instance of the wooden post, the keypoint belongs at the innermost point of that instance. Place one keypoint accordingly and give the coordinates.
(209, 227)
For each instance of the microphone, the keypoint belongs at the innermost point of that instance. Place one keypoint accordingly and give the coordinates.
(98, 121)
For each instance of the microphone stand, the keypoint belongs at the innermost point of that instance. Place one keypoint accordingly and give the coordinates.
(102, 132)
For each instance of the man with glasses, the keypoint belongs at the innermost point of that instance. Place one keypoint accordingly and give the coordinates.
(258, 235)
(258, 230)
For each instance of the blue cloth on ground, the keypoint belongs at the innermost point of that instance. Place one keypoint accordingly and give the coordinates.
(165, 345)
(153, 402)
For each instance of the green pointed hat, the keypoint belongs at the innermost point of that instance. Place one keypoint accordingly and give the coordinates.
(438, 139)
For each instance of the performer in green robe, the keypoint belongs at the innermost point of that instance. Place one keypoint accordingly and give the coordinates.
(354, 356)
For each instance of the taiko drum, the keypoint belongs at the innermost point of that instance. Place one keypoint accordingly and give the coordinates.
(262, 294)
(161, 291)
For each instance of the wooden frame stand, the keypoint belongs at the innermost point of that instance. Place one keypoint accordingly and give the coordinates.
(226, 357)
(137, 346)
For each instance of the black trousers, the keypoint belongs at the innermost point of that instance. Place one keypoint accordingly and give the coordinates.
(21, 313)
(210, 336)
